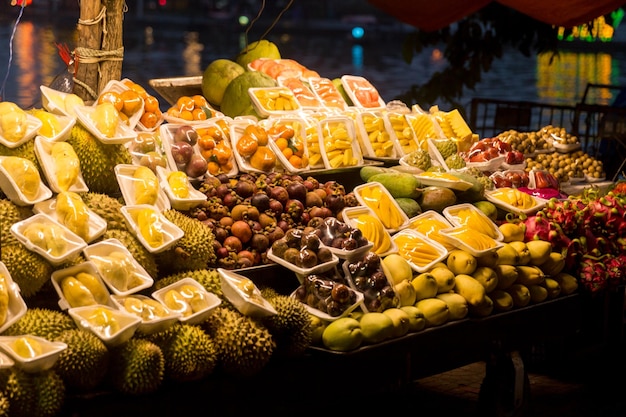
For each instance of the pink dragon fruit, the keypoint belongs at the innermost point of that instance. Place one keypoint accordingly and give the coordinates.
(541, 227)
(592, 274)
(605, 216)
(616, 270)
(566, 213)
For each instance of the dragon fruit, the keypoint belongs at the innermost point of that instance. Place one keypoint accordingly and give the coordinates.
(541, 227)
(605, 216)
(616, 270)
(566, 213)
(592, 274)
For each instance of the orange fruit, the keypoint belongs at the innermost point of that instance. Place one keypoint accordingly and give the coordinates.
(200, 101)
(185, 103)
(213, 168)
(131, 102)
(295, 161)
(186, 115)
(112, 97)
(198, 114)
(288, 152)
(139, 89)
(222, 153)
(149, 119)
(151, 104)
(215, 132)
(206, 142)
(282, 143)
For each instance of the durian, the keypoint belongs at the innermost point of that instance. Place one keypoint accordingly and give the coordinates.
(107, 207)
(137, 367)
(244, 345)
(13, 121)
(150, 227)
(50, 124)
(76, 293)
(208, 278)
(118, 269)
(190, 353)
(66, 165)
(140, 253)
(29, 270)
(41, 322)
(290, 327)
(106, 118)
(11, 213)
(50, 392)
(98, 160)
(24, 174)
(72, 212)
(84, 364)
(193, 251)
(48, 236)
(25, 150)
(39, 394)
(27, 347)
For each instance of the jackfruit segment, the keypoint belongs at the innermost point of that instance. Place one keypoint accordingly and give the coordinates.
(103, 321)
(13, 121)
(27, 347)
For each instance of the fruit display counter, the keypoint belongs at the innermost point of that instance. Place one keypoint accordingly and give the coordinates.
(250, 239)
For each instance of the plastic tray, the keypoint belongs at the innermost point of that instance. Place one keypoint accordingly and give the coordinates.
(414, 234)
(450, 213)
(13, 192)
(128, 324)
(124, 133)
(124, 174)
(198, 316)
(257, 307)
(17, 306)
(382, 216)
(97, 225)
(43, 149)
(353, 84)
(32, 127)
(171, 232)
(147, 325)
(194, 199)
(50, 352)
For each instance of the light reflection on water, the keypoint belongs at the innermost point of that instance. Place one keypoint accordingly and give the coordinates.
(161, 52)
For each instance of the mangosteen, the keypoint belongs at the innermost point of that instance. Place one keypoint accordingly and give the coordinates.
(279, 193)
(293, 237)
(341, 293)
(245, 188)
(349, 243)
(261, 201)
(310, 241)
(378, 280)
(360, 283)
(335, 203)
(279, 247)
(297, 191)
(333, 308)
(291, 255)
(300, 293)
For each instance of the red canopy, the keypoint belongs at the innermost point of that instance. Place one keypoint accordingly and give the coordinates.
(431, 15)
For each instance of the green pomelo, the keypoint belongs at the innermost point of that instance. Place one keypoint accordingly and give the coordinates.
(216, 77)
(257, 49)
(236, 100)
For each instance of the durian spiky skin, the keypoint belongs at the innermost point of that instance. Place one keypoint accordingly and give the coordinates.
(25, 150)
(98, 160)
(190, 353)
(137, 367)
(194, 250)
(83, 365)
(5, 405)
(134, 246)
(29, 270)
(107, 207)
(42, 322)
(50, 393)
(290, 327)
(244, 345)
(18, 387)
(10, 213)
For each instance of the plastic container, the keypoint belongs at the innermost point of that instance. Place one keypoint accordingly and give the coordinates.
(338, 142)
(442, 179)
(124, 174)
(66, 123)
(60, 274)
(377, 198)
(248, 301)
(39, 362)
(316, 294)
(43, 151)
(274, 101)
(301, 91)
(150, 323)
(119, 87)
(123, 133)
(328, 93)
(490, 228)
(362, 93)
(97, 225)
(429, 224)
(194, 199)
(17, 306)
(32, 127)
(128, 323)
(73, 244)
(488, 166)
(281, 128)
(402, 132)
(54, 101)
(237, 130)
(370, 278)
(493, 197)
(15, 194)
(414, 236)
(111, 253)
(376, 138)
(170, 232)
(332, 229)
(197, 316)
(461, 244)
(372, 228)
(320, 267)
(5, 361)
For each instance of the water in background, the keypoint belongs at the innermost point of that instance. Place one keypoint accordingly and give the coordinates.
(160, 50)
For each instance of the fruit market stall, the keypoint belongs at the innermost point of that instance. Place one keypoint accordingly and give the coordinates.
(277, 221)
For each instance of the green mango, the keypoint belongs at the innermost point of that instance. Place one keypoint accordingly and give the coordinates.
(409, 206)
(399, 184)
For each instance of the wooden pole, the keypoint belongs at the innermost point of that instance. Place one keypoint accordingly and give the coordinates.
(99, 52)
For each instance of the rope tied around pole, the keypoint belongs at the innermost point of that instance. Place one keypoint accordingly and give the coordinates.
(102, 16)
(95, 56)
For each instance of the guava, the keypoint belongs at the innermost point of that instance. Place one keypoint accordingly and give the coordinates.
(257, 49)
(236, 100)
(216, 77)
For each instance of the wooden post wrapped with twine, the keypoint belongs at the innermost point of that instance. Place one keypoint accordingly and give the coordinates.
(100, 49)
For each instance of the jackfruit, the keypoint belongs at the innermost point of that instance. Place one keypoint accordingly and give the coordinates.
(72, 212)
(66, 165)
(244, 345)
(107, 207)
(140, 253)
(85, 362)
(50, 237)
(29, 270)
(24, 174)
(193, 251)
(41, 322)
(137, 367)
(13, 121)
(190, 353)
(290, 327)
(146, 186)
(4, 299)
(98, 160)
(40, 394)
